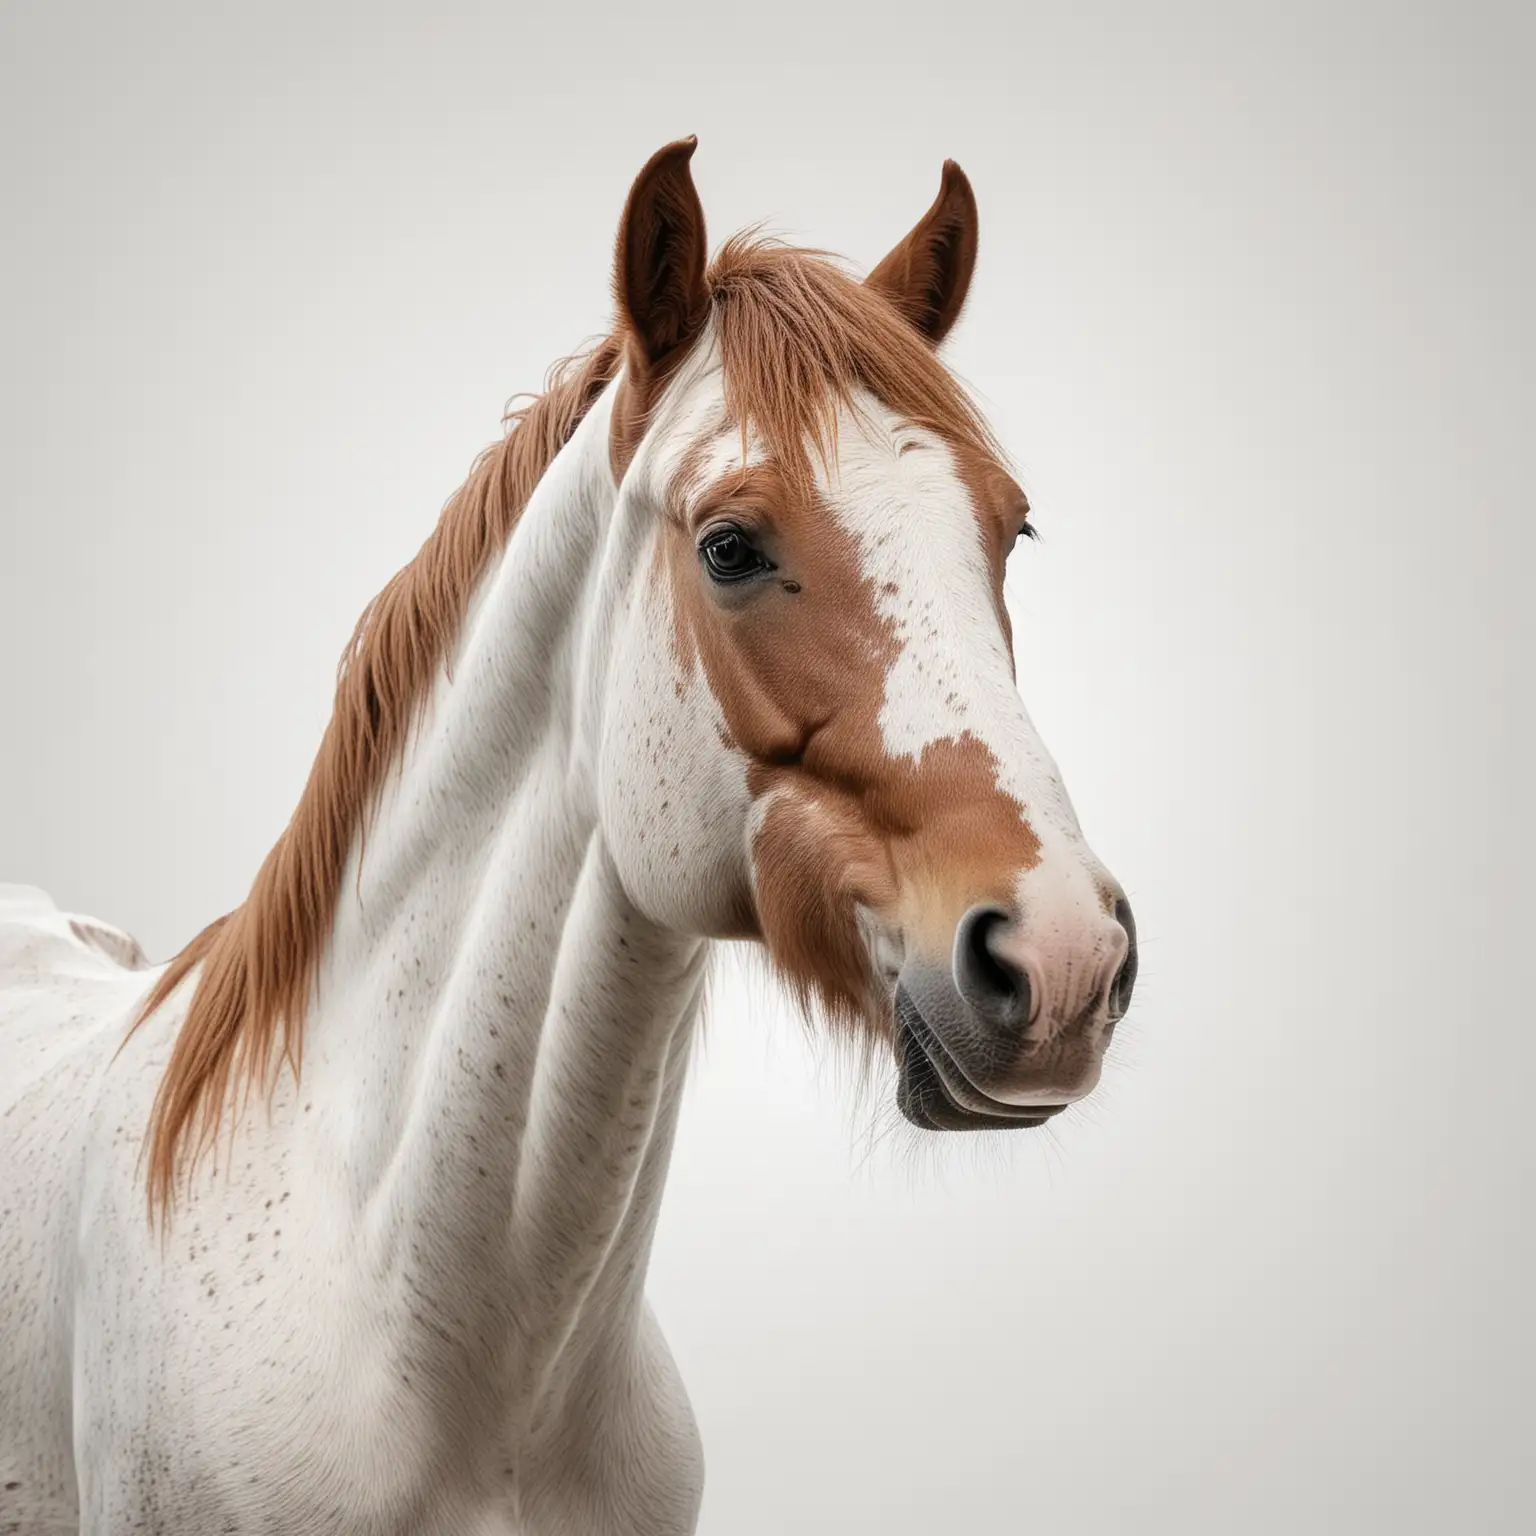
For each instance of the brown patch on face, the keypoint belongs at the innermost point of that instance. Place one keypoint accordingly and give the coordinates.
(798, 662)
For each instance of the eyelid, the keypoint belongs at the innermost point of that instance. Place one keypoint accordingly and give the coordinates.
(751, 520)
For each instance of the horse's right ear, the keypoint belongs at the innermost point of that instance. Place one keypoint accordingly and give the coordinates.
(659, 265)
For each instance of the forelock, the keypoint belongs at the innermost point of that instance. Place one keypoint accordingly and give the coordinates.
(798, 338)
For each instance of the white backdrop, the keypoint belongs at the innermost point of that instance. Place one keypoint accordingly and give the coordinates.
(1253, 312)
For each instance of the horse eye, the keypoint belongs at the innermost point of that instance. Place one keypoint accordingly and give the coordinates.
(729, 555)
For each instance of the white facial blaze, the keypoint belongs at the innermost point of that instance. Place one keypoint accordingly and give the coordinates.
(897, 491)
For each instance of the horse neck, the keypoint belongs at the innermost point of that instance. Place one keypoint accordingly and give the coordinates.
(500, 1036)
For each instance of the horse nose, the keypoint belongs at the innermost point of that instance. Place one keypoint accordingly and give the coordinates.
(996, 985)
(997, 973)
(1125, 978)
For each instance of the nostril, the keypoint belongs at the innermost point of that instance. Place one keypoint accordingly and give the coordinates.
(992, 984)
(1125, 978)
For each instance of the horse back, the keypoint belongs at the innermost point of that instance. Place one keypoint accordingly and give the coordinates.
(67, 989)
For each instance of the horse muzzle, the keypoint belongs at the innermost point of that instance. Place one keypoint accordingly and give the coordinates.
(1013, 1029)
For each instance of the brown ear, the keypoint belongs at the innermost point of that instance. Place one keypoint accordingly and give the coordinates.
(926, 277)
(659, 265)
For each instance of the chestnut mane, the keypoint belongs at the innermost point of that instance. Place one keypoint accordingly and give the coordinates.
(798, 336)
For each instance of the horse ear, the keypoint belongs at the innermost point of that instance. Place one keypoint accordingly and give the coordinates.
(926, 277)
(659, 265)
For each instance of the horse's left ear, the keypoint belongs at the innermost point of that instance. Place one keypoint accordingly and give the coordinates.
(927, 276)
(659, 265)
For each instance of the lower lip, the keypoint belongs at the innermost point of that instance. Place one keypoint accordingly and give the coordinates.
(1001, 1116)
(1000, 1109)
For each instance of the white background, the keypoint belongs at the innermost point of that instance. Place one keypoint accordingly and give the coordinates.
(1253, 313)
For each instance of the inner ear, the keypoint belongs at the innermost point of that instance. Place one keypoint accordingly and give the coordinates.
(660, 261)
(928, 274)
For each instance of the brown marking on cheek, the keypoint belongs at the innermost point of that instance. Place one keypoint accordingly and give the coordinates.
(800, 677)
(780, 662)
(816, 864)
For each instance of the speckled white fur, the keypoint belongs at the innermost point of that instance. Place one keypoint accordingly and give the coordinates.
(408, 1297)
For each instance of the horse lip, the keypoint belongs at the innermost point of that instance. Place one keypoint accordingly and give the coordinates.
(918, 1086)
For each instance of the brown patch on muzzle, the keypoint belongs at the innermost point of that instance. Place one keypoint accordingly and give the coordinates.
(926, 839)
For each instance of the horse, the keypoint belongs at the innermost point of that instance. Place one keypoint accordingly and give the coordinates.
(710, 646)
